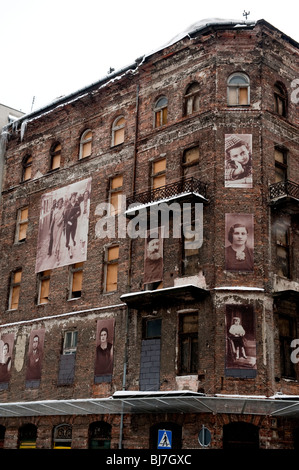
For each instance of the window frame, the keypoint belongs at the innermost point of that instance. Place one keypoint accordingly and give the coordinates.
(280, 99)
(74, 269)
(281, 167)
(118, 190)
(161, 112)
(72, 349)
(20, 222)
(159, 174)
(109, 263)
(287, 368)
(43, 279)
(27, 163)
(191, 99)
(117, 129)
(85, 140)
(14, 285)
(236, 87)
(55, 152)
(192, 339)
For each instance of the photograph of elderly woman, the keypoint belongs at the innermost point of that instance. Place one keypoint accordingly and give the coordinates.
(239, 242)
(63, 226)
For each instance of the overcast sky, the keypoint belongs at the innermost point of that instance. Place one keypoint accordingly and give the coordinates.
(51, 48)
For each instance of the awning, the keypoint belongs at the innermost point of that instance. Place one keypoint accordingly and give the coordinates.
(156, 402)
(152, 297)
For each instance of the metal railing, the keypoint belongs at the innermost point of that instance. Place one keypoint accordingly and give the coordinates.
(284, 188)
(188, 185)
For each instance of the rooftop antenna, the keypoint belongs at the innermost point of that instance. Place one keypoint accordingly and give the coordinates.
(33, 99)
(246, 13)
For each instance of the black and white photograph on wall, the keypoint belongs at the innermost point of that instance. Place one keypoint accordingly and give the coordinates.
(6, 351)
(238, 160)
(153, 256)
(104, 349)
(35, 355)
(63, 226)
(240, 357)
(239, 242)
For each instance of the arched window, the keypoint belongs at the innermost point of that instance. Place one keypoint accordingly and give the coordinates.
(62, 436)
(85, 144)
(27, 168)
(27, 436)
(238, 90)
(240, 435)
(118, 131)
(99, 435)
(280, 99)
(191, 99)
(161, 111)
(55, 154)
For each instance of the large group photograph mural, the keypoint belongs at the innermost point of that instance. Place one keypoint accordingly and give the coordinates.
(238, 160)
(63, 226)
(240, 357)
(239, 242)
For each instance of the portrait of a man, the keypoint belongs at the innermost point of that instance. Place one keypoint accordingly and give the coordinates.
(6, 350)
(238, 160)
(35, 355)
(153, 256)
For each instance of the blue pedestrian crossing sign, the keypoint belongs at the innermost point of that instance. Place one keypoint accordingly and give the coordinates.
(164, 439)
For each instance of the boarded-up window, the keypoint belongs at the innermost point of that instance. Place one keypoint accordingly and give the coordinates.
(159, 173)
(22, 224)
(161, 112)
(118, 131)
(190, 162)
(55, 156)
(283, 250)
(280, 165)
(76, 280)
(27, 168)
(238, 90)
(116, 194)
(85, 144)
(15, 289)
(44, 287)
(112, 268)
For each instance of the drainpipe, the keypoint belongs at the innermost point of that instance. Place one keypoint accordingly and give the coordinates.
(124, 378)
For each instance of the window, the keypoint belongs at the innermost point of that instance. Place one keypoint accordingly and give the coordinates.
(287, 332)
(85, 144)
(44, 287)
(62, 436)
(159, 173)
(152, 328)
(55, 155)
(22, 225)
(15, 289)
(118, 131)
(99, 435)
(188, 343)
(27, 168)
(27, 436)
(283, 250)
(280, 99)
(112, 254)
(191, 102)
(281, 167)
(190, 162)
(190, 246)
(161, 112)
(76, 272)
(70, 342)
(115, 194)
(238, 90)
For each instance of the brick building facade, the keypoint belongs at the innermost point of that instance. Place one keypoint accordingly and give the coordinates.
(206, 131)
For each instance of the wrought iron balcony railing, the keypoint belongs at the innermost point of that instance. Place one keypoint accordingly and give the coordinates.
(284, 189)
(169, 191)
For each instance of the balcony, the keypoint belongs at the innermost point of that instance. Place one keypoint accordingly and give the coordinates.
(285, 193)
(183, 188)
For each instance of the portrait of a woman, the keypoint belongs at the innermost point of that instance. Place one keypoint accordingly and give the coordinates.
(238, 255)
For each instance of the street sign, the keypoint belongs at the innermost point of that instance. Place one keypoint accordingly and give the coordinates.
(164, 439)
